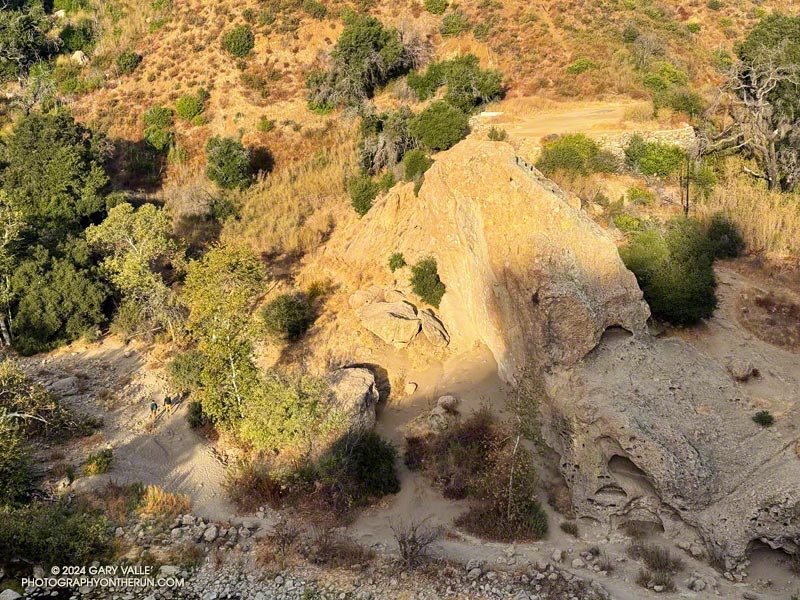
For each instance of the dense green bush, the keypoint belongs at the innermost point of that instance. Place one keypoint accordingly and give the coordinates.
(16, 479)
(53, 534)
(454, 23)
(764, 418)
(640, 196)
(435, 7)
(581, 66)
(468, 86)
(396, 261)
(385, 139)
(724, 237)
(439, 126)
(287, 316)
(653, 158)
(79, 36)
(362, 192)
(362, 466)
(189, 106)
(128, 61)
(497, 134)
(674, 269)
(415, 163)
(228, 163)
(426, 283)
(157, 127)
(98, 462)
(576, 154)
(195, 415)
(239, 41)
(24, 38)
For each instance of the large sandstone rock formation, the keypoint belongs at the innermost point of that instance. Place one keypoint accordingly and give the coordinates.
(527, 274)
(355, 396)
(653, 430)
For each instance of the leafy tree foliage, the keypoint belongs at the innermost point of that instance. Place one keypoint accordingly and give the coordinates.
(220, 291)
(139, 247)
(52, 171)
(653, 158)
(362, 192)
(228, 163)
(52, 183)
(365, 57)
(674, 270)
(57, 298)
(468, 86)
(24, 38)
(439, 126)
(128, 61)
(415, 163)
(385, 139)
(158, 127)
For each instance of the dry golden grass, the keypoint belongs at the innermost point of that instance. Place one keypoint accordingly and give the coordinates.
(162, 504)
(769, 221)
(292, 210)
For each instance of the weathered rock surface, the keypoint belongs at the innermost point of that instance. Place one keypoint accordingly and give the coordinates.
(355, 396)
(433, 328)
(526, 273)
(654, 430)
(395, 323)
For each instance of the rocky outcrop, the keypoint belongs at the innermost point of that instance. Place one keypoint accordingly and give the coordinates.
(530, 276)
(396, 323)
(653, 430)
(354, 396)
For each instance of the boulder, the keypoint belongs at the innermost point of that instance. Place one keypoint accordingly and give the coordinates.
(527, 274)
(9, 594)
(66, 386)
(355, 395)
(448, 402)
(654, 430)
(433, 329)
(79, 58)
(396, 323)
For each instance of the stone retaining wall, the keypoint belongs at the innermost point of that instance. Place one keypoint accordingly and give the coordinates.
(683, 137)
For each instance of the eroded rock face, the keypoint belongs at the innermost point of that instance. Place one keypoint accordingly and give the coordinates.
(653, 430)
(355, 395)
(527, 274)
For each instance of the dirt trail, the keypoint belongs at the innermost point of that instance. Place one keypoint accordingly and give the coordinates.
(112, 381)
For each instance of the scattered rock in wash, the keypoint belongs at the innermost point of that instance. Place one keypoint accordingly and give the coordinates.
(410, 388)
(741, 369)
(448, 403)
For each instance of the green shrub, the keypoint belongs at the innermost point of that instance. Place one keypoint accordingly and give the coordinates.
(415, 163)
(53, 534)
(16, 479)
(674, 270)
(128, 61)
(98, 462)
(315, 9)
(474, 460)
(570, 528)
(435, 7)
(287, 317)
(724, 237)
(195, 415)
(189, 106)
(359, 467)
(628, 223)
(576, 154)
(581, 66)
(468, 86)
(397, 261)
(266, 124)
(693, 27)
(641, 197)
(653, 158)
(764, 418)
(362, 192)
(681, 100)
(158, 121)
(228, 163)
(454, 23)
(440, 126)
(498, 135)
(426, 283)
(239, 41)
(79, 36)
